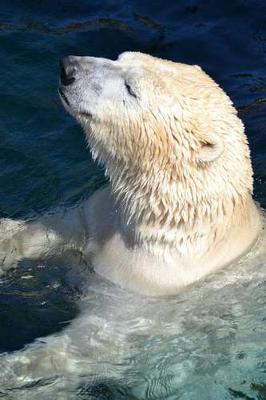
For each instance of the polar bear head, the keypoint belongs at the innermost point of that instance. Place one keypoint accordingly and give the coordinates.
(168, 136)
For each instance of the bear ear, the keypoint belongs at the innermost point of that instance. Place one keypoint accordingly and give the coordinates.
(197, 67)
(211, 148)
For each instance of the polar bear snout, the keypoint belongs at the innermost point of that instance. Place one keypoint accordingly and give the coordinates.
(68, 69)
(89, 85)
(70, 74)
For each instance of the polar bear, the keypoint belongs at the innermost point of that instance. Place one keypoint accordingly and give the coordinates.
(179, 203)
(178, 206)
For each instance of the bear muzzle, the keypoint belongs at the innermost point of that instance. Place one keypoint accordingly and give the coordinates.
(68, 70)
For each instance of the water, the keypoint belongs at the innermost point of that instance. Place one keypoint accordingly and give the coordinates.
(208, 342)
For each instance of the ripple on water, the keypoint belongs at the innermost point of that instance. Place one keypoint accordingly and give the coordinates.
(209, 341)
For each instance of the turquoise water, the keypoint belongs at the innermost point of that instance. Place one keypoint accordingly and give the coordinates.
(206, 344)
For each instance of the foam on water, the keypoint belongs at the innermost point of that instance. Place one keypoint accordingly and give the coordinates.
(208, 342)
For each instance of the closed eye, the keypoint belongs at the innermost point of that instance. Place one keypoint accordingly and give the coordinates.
(130, 90)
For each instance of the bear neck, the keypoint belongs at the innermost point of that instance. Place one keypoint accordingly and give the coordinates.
(160, 212)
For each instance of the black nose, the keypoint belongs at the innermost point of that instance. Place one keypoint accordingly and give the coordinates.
(68, 69)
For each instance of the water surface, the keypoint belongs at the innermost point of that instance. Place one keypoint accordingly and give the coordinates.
(213, 346)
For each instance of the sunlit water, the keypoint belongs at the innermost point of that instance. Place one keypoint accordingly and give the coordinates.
(209, 341)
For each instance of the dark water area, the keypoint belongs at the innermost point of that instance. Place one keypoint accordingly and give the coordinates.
(43, 158)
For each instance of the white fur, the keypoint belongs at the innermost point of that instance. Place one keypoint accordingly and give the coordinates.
(179, 202)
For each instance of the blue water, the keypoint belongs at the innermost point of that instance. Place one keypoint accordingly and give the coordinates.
(45, 164)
